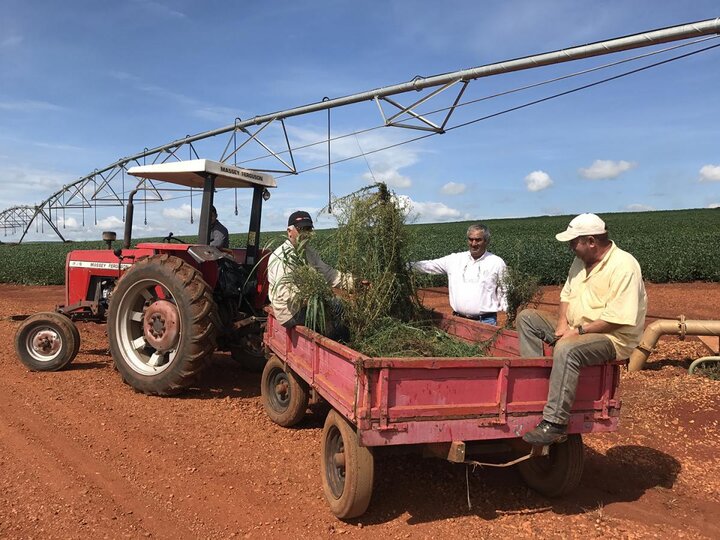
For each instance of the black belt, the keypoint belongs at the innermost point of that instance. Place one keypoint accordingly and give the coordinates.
(476, 317)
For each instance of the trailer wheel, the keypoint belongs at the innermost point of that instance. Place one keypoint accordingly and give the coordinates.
(251, 354)
(47, 341)
(557, 473)
(347, 468)
(162, 325)
(285, 395)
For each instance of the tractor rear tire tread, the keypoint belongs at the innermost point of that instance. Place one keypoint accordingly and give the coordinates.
(202, 321)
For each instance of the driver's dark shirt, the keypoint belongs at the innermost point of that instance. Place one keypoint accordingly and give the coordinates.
(219, 235)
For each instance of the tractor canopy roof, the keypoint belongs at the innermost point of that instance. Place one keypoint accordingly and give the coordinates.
(192, 173)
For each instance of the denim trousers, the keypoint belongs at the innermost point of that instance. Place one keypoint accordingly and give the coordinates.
(489, 319)
(569, 355)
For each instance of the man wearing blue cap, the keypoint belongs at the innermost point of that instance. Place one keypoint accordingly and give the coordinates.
(602, 316)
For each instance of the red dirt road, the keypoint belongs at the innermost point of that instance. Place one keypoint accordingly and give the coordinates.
(84, 456)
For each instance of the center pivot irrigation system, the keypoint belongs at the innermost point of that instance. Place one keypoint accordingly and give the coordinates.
(107, 187)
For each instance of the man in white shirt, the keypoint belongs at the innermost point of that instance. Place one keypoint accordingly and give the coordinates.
(474, 277)
(282, 293)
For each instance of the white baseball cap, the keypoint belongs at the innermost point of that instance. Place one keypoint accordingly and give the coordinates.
(582, 225)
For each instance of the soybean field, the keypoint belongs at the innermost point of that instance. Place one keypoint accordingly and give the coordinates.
(671, 246)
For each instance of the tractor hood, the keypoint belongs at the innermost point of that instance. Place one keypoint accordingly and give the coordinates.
(192, 174)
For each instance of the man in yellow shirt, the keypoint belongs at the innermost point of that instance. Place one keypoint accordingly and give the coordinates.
(601, 317)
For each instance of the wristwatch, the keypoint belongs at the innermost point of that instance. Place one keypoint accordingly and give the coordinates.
(580, 330)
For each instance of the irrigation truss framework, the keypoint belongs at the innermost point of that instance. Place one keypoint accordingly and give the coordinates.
(110, 185)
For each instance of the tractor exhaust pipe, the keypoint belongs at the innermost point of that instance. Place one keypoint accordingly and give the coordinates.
(679, 327)
(127, 237)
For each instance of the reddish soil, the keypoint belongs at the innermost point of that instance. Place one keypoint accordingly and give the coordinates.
(84, 456)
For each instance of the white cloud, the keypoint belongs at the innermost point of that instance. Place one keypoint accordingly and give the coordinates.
(714, 205)
(10, 41)
(182, 212)
(195, 107)
(639, 208)
(710, 173)
(390, 176)
(109, 223)
(215, 113)
(538, 180)
(430, 211)
(59, 146)
(26, 184)
(453, 188)
(67, 223)
(29, 105)
(605, 169)
(384, 164)
(160, 9)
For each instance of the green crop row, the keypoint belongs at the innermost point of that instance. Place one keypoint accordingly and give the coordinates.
(680, 245)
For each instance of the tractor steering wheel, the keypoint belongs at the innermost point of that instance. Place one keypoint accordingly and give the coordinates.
(170, 239)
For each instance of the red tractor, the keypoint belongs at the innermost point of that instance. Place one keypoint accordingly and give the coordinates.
(169, 305)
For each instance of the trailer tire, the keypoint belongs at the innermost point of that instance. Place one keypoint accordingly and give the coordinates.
(47, 341)
(162, 325)
(285, 396)
(347, 468)
(559, 472)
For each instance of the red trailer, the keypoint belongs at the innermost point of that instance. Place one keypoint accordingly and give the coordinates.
(448, 407)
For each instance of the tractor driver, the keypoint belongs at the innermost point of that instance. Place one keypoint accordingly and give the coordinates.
(218, 232)
(282, 293)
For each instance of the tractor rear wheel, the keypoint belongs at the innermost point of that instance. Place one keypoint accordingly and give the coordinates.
(162, 325)
(47, 341)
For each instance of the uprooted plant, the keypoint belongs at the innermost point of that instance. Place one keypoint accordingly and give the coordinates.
(372, 244)
(310, 288)
(383, 315)
(521, 289)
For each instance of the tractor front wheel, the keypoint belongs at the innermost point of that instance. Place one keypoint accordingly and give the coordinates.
(162, 325)
(47, 341)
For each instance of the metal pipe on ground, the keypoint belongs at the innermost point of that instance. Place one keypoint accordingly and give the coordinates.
(679, 327)
(701, 361)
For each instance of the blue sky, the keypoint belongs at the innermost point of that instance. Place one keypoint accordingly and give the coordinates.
(85, 83)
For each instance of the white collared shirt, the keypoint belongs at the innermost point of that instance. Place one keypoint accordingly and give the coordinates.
(474, 285)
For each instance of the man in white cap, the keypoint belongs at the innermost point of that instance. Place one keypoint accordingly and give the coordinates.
(601, 317)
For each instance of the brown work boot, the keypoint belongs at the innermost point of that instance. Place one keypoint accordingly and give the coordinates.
(546, 433)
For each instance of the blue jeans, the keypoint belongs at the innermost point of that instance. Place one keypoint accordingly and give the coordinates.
(487, 318)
